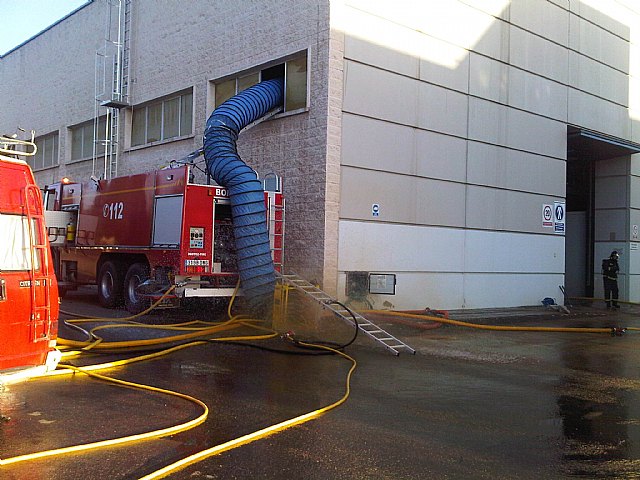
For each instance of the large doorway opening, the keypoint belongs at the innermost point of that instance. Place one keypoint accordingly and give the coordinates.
(585, 149)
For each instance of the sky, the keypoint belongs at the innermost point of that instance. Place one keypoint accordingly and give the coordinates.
(22, 19)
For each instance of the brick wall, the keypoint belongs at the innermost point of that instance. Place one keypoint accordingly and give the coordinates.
(49, 84)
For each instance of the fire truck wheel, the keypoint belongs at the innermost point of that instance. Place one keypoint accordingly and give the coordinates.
(110, 284)
(133, 300)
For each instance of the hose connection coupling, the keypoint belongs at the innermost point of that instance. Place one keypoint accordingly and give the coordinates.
(289, 337)
(617, 331)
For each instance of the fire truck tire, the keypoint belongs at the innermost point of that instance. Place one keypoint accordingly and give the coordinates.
(133, 301)
(110, 284)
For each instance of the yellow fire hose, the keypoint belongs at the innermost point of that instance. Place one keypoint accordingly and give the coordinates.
(200, 329)
(208, 328)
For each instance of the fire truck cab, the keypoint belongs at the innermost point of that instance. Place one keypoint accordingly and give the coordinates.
(29, 303)
(137, 236)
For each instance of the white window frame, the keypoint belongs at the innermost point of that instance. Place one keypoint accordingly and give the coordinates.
(259, 70)
(88, 148)
(144, 110)
(41, 143)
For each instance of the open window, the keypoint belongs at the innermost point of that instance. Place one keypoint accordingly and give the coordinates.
(294, 71)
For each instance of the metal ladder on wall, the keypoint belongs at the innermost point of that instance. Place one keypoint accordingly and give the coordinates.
(112, 85)
(370, 329)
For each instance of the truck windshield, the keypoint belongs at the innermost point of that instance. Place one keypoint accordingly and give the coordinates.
(15, 247)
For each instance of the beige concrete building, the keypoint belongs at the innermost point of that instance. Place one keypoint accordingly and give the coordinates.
(441, 153)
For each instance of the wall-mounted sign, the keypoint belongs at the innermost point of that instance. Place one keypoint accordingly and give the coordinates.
(547, 215)
(375, 210)
(559, 213)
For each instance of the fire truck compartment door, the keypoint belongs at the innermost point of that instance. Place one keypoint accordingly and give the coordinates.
(167, 220)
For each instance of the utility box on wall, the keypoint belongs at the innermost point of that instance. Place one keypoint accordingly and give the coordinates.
(382, 283)
(360, 284)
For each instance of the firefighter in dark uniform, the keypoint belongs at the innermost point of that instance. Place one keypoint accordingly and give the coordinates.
(610, 271)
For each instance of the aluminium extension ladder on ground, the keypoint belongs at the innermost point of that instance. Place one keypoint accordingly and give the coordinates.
(366, 326)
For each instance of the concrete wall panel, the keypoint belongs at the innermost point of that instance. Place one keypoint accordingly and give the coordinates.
(442, 110)
(452, 21)
(510, 290)
(503, 252)
(611, 192)
(598, 79)
(544, 18)
(537, 94)
(613, 166)
(379, 145)
(537, 55)
(402, 198)
(379, 42)
(440, 156)
(615, 16)
(403, 100)
(493, 209)
(598, 43)
(372, 246)
(610, 225)
(634, 219)
(488, 79)
(500, 125)
(497, 81)
(380, 94)
(634, 192)
(501, 167)
(395, 49)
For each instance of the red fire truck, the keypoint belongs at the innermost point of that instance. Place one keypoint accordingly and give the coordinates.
(136, 236)
(28, 292)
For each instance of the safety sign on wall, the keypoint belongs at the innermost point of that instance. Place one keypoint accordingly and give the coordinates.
(559, 214)
(547, 215)
(375, 210)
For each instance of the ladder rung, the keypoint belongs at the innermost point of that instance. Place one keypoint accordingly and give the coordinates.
(368, 327)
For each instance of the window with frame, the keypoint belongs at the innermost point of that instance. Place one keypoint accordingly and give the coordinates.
(162, 120)
(16, 232)
(47, 154)
(82, 139)
(294, 72)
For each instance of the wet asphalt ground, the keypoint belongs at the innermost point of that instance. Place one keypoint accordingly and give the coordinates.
(471, 404)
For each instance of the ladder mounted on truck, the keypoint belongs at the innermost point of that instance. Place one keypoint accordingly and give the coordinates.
(373, 331)
(40, 302)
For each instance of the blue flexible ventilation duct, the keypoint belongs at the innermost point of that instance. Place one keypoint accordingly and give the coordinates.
(248, 211)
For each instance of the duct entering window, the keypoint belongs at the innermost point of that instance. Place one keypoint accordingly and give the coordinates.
(294, 72)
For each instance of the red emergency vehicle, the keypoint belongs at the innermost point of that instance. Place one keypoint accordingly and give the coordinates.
(29, 300)
(136, 236)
